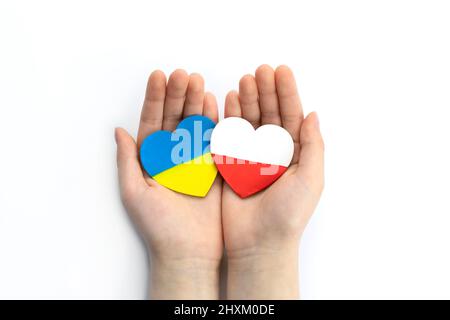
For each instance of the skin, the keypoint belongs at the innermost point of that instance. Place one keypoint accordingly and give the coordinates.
(261, 234)
(183, 233)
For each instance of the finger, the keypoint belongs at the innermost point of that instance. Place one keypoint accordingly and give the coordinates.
(131, 179)
(311, 162)
(194, 96)
(290, 106)
(248, 98)
(152, 110)
(175, 97)
(232, 105)
(210, 108)
(268, 100)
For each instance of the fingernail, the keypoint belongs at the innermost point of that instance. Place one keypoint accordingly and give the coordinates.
(317, 122)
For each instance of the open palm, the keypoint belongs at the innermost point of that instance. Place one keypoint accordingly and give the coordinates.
(175, 226)
(267, 219)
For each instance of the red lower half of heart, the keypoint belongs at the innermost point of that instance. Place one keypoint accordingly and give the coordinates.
(246, 177)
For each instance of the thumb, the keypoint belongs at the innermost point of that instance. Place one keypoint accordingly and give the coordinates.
(310, 165)
(131, 179)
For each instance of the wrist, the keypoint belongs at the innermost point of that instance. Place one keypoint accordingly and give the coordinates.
(193, 278)
(263, 259)
(264, 273)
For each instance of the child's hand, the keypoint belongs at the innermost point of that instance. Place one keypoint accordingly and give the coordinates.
(262, 232)
(183, 233)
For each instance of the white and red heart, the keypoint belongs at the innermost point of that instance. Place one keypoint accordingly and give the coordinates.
(250, 160)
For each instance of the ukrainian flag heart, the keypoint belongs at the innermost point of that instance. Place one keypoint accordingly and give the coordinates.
(181, 160)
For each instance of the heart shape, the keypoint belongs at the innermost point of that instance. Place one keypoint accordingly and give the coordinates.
(250, 160)
(181, 160)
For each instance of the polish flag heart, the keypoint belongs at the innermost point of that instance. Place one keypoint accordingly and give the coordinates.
(250, 160)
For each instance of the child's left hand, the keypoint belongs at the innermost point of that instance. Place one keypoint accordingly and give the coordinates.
(183, 233)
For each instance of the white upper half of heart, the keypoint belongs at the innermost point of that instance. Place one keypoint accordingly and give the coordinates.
(236, 137)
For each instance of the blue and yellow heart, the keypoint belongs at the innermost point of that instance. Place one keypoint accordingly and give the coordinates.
(181, 160)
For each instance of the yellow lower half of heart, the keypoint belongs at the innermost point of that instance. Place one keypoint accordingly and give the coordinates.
(194, 177)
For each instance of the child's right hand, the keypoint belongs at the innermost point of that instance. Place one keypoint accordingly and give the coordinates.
(262, 232)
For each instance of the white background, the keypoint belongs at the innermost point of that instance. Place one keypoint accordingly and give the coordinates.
(377, 72)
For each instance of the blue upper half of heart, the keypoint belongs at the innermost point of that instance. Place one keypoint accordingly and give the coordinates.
(163, 150)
